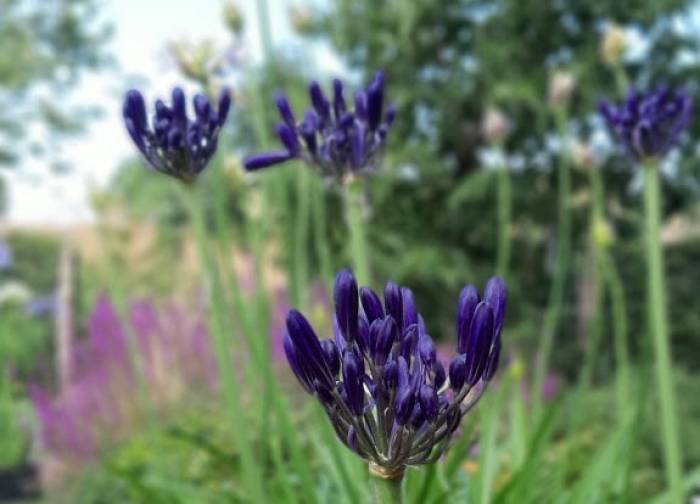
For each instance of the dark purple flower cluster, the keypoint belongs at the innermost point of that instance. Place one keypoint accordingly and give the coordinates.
(334, 138)
(387, 395)
(176, 145)
(649, 124)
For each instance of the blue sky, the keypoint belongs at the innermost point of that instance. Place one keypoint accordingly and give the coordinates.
(143, 28)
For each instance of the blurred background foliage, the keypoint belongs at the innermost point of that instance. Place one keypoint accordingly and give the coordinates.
(46, 48)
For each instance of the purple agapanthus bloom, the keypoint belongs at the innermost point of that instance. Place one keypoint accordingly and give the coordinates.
(379, 380)
(174, 144)
(649, 124)
(332, 136)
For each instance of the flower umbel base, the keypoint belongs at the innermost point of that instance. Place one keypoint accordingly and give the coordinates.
(385, 485)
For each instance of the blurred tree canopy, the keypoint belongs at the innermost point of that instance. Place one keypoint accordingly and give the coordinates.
(447, 62)
(44, 48)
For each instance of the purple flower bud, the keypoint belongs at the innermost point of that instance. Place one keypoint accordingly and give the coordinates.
(410, 312)
(468, 299)
(458, 372)
(285, 110)
(480, 339)
(371, 304)
(375, 101)
(346, 303)
(391, 374)
(224, 106)
(357, 139)
(426, 350)
(353, 378)
(427, 396)
(338, 99)
(385, 333)
(417, 416)
(496, 294)
(179, 106)
(340, 340)
(319, 101)
(361, 105)
(439, 373)
(308, 348)
(403, 375)
(265, 160)
(323, 392)
(330, 352)
(307, 130)
(409, 341)
(403, 405)
(202, 107)
(298, 371)
(363, 335)
(492, 362)
(289, 138)
(393, 302)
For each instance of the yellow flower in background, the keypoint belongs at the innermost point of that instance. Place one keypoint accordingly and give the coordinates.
(613, 45)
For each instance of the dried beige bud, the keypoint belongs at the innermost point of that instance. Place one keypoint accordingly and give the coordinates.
(583, 156)
(561, 87)
(495, 125)
(302, 18)
(233, 17)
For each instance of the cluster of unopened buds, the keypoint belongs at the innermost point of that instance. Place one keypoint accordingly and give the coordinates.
(333, 137)
(379, 380)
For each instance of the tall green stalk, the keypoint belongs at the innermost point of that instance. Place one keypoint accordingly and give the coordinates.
(385, 488)
(353, 198)
(504, 208)
(619, 318)
(658, 328)
(300, 238)
(320, 223)
(597, 219)
(220, 336)
(558, 286)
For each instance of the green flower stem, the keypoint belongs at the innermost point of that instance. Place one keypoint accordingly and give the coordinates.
(619, 318)
(558, 287)
(597, 218)
(320, 235)
(504, 208)
(229, 382)
(300, 265)
(353, 198)
(385, 488)
(658, 328)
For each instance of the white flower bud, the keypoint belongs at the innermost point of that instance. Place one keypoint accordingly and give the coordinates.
(561, 87)
(495, 125)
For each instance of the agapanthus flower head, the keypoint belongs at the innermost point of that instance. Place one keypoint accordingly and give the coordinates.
(173, 143)
(335, 137)
(648, 124)
(389, 398)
